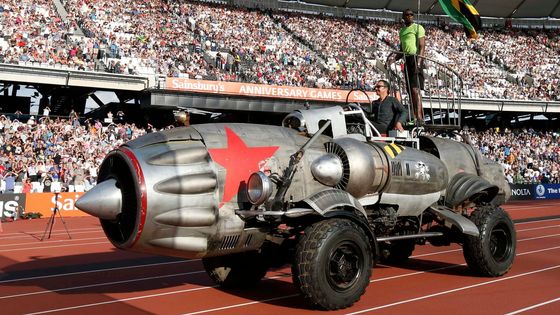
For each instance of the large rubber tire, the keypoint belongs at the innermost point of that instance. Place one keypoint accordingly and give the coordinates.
(333, 263)
(491, 254)
(236, 271)
(397, 252)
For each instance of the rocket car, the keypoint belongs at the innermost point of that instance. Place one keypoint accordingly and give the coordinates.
(323, 192)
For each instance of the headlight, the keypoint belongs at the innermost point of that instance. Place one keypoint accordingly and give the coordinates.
(259, 188)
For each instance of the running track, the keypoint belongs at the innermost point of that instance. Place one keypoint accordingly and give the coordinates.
(87, 275)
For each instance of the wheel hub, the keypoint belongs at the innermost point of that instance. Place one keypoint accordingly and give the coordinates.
(344, 266)
(500, 243)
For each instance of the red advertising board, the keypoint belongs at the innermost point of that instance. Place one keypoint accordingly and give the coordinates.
(44, 203)
(263, 90)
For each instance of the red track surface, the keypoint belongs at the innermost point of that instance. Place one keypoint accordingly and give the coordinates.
(87, 275)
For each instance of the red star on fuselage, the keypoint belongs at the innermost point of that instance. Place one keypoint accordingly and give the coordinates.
(240, 161)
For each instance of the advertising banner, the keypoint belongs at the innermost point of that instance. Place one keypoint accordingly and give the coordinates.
(521, 191)
(12, 206)
(263, 90)
(44, 203)
(535, 191)
(547, 191)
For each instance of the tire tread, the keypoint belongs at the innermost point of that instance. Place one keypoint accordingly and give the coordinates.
(473, 249)
(308, 250)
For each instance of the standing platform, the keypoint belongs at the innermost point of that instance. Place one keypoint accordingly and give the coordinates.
(441, 94)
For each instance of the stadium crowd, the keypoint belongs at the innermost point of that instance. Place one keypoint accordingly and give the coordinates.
(526, 155)
(33, 33)
(217, 42)
(41, 154)
(539, 78)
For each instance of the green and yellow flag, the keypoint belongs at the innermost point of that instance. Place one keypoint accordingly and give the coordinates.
(462, 11)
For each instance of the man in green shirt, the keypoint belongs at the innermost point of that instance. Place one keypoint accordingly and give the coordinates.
(412, 38)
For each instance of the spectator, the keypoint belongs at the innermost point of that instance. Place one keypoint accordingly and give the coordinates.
(387, 112)
(46, 111)
(47, 181)
(27, 186)
(412, 44)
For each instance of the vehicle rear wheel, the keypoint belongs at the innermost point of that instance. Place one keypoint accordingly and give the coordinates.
(492, 253)
(237, 270)
(333, 263)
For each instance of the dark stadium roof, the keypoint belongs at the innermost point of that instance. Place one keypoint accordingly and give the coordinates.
(486, 8)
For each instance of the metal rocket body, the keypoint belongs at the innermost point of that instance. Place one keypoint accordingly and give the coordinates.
(183, 192)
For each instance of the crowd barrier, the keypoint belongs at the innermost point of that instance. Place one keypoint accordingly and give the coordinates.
(15, 205)
(535, 191)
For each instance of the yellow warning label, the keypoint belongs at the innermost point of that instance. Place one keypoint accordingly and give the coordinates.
(393, 149)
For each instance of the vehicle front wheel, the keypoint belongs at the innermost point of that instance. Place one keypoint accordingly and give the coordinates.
(333, 263)
(491, 253)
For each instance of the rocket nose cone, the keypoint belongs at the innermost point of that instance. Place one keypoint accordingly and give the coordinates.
(102, 201)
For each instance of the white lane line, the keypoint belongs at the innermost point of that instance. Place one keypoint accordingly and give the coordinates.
(455, 290)
(533, 307)
(57, 246)
(120, 300)
(133, 298)
(241, 305)
(538, 251)
(518, 208)
(254, 302)
(374, 280)
(455, 266)
(532, 202)
(538, 237)
(100, 284)
(57, 241)
(98, 270)
(460, 249)
(537, 221)
(437, 253)
(43, 231)
(540, 228)
(30, 235)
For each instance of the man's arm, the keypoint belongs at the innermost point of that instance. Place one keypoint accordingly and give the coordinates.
(395, 56)
(402, 112)
(370, 110)
(421, 47)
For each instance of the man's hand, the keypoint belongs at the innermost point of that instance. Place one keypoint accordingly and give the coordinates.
(398, 126)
